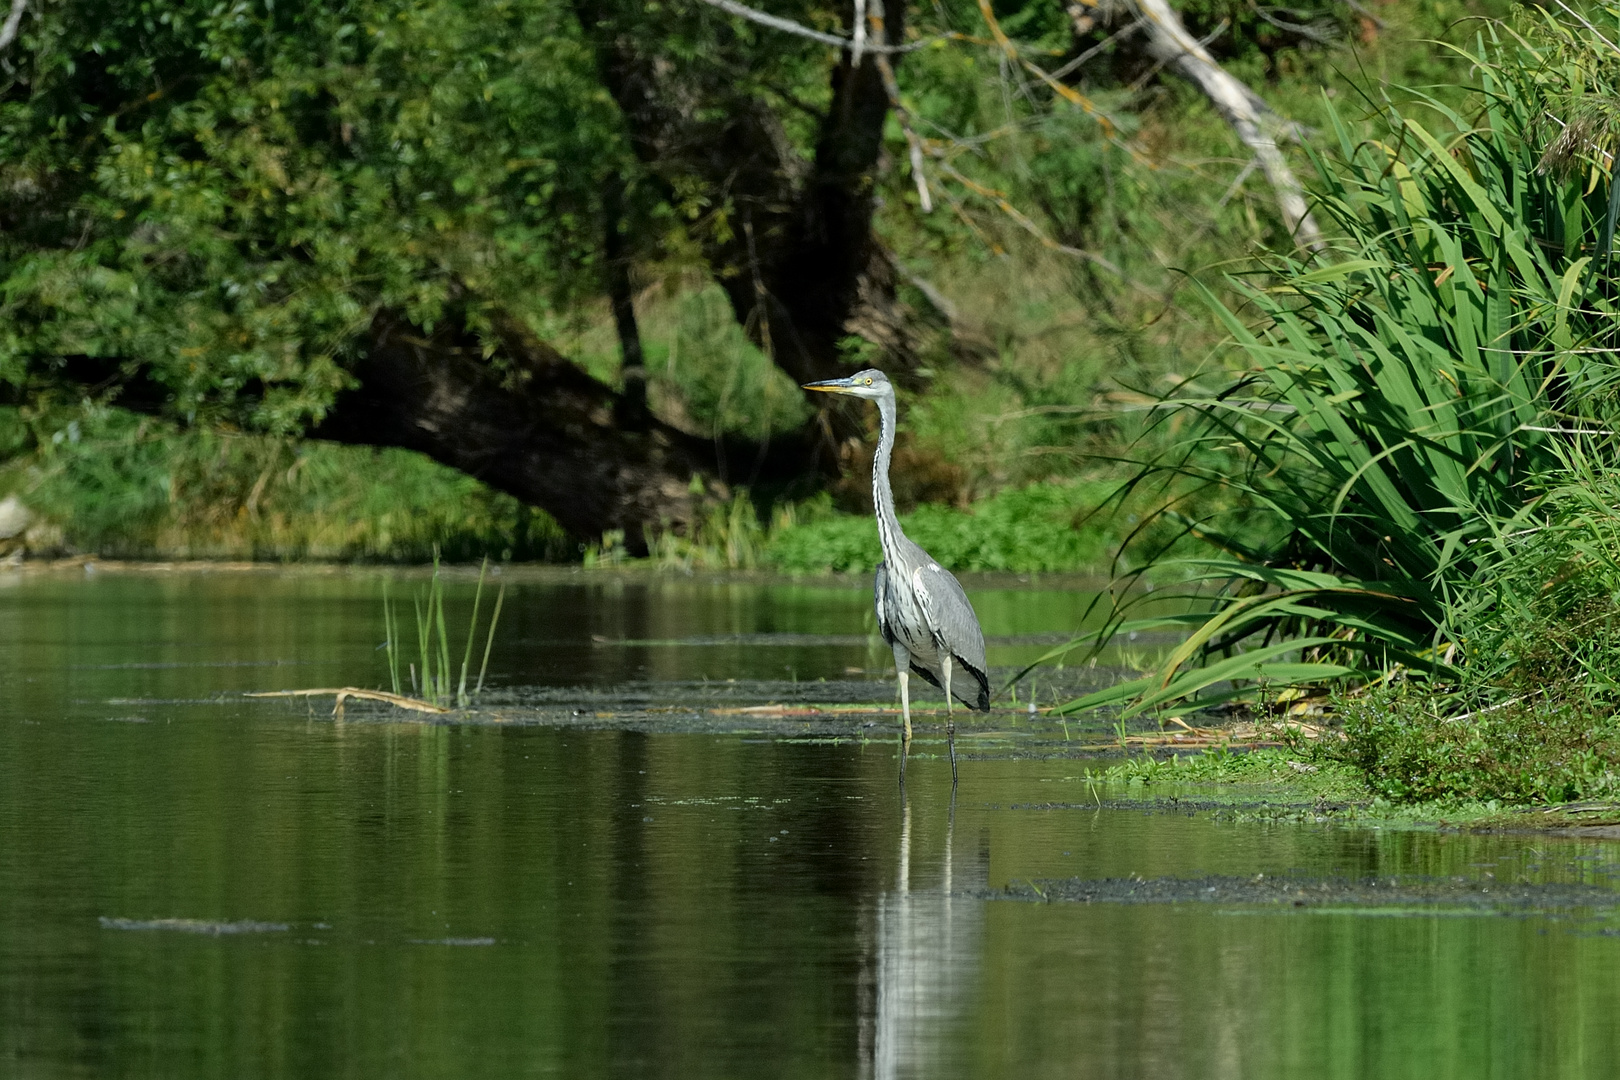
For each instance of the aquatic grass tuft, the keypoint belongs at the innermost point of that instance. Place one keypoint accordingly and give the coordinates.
(439, 684)
(391, 630)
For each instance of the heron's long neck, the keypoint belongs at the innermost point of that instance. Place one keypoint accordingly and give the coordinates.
(889, 533)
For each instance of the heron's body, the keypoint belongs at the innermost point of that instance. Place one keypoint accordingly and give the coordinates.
(911, 608)
(922, 611)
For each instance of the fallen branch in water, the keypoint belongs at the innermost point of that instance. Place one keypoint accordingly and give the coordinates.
(343, 693)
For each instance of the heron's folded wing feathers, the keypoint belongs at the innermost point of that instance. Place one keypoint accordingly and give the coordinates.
(916, 669)
(954, 625)
(880, 601)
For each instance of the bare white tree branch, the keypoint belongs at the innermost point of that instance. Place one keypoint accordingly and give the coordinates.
(788, 26)
(8, 32)
(1248, 114)
(873, 9)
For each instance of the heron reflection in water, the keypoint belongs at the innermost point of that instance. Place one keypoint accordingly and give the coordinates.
(922, 611)
(925, 963)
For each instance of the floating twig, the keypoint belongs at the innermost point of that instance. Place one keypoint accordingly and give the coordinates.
(345, 692)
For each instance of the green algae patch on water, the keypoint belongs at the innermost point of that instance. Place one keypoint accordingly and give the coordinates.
(1280, 784)
(1292, 771)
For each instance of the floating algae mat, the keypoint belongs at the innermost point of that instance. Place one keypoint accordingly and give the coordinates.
(713, 878)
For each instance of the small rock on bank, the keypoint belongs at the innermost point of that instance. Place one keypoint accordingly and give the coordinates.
(14, 518)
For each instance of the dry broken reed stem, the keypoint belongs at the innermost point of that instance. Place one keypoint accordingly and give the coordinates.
(1110, 128)
(345, 692)
(1265, 733)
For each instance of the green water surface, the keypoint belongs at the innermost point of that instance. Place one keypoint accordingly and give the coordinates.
(195, 884)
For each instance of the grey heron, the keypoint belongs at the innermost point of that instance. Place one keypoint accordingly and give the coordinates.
(922, 610)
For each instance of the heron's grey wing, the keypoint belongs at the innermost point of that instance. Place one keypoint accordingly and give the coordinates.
(880, 602)
(955, 625)
(924, 674)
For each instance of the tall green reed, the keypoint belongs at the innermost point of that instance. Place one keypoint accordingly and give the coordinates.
(431, 675)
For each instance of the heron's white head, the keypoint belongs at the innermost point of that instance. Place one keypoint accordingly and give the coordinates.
(871, 384)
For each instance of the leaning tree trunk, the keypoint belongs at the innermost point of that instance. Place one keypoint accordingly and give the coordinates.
(531, 424)
(544, 431)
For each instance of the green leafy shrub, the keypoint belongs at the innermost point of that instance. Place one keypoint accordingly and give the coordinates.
(1530, 715)
(1041, 528)
(1543, 748)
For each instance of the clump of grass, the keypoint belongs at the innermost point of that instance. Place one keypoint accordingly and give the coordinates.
(432, 680)
(1300, 768)
(729, 536)
(1532, 714)
(1548, 747)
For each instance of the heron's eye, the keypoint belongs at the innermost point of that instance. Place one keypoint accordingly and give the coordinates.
(868, 382)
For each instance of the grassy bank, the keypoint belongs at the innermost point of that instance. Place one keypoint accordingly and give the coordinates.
(118, 486)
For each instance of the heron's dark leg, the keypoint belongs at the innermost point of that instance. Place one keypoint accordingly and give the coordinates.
(905, 715)
(902, 666)
(950, 719)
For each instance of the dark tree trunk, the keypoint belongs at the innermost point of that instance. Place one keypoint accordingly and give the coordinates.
(632, 411)
(797, 256)
(525, 421)
(536, 426)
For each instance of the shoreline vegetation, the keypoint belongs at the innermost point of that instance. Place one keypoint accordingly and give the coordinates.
(213, 498)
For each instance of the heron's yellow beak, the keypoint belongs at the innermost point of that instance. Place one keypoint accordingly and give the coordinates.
(831, 386)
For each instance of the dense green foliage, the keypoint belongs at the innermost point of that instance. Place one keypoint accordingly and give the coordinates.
(1548, 749)
(1424, 418)
(120, 486)
(226, 197)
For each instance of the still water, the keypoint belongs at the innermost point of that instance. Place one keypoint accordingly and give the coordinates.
(197, 884)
